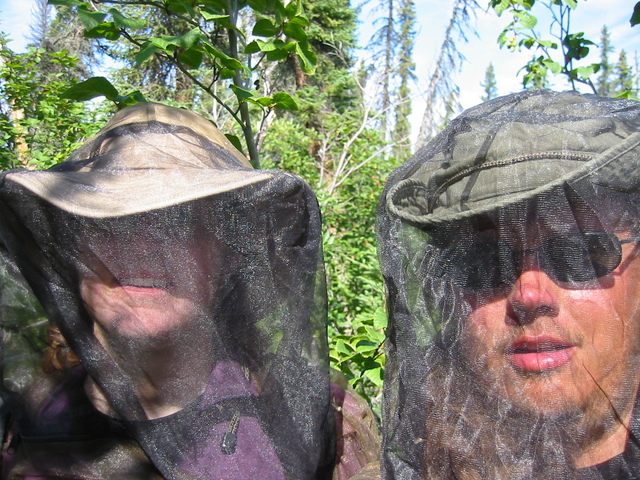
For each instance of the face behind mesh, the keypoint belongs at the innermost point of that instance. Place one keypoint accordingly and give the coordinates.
(197, 318)
(510, 260)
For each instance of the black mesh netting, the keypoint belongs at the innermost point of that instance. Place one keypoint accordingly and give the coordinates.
(190, 291)
(509, 247)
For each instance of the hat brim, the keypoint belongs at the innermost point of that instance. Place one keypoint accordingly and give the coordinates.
(115, 194)
(616, 168)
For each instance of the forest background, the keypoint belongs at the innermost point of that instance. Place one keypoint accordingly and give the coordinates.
(338, 93)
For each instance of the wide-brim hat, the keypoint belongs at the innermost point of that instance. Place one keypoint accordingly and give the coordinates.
(148, 156)
(515, 148)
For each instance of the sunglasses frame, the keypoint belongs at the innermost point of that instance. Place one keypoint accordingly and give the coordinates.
(486, 270)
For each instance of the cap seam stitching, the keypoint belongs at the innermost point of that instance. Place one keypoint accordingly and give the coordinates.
(518, 159)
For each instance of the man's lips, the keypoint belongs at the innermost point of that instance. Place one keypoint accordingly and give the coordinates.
(537, 354)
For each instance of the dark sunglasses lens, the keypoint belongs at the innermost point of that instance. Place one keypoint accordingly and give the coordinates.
(581, 258)
(476, 267)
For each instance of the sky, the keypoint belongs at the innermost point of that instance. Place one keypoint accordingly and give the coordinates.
(432, 18)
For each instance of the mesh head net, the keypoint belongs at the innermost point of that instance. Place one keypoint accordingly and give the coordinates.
(162, 309)
(510, 250)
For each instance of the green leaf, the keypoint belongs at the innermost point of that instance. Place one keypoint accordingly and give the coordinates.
(105, 30)
(626, 94)
(131, 99)
(264, 28)
(525, 19)
(266, 46)
(212, 17)
(90, 19)
(548, 44)
(68, 3)
(307, 57)
(293, 8)
(259, 6)
(226, 73)
(573, 4)
(585, 72)
(380, 319)
(225, 60)
(91, 88)
(161, 44)
(181, 6)
(147, 50)
(342, 347)
(499, 6)
(284, 101)
(376, 375)
(554, 67)
(188, 40)
(503, 38)
(635, 17)
(366, 346)
(191, 57)
(121, 21)
(277, 55)
(235, 141)
(232, 63)
(241, 93)
(262, 101)
(295, 31)
(300, 20)
(252, 47)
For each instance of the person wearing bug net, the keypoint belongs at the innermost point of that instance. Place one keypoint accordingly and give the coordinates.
(162, 312)
(510, 250)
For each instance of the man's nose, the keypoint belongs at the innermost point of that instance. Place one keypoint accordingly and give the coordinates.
(532, 295)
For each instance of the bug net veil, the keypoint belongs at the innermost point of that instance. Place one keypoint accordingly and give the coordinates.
(163, 311)
(509, 248)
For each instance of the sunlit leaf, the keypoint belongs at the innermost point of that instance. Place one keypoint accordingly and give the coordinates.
(555, 67)
(130, 99)
(526, 19)
(241, 93)
(264, 28)
(68, 3)
(191, 57)
(145, 53)
(380, 319)
(295, 31)
(90, 19)
(252, 47)
(376, 375)
(213, 17)
(121, 21)
(106, 30)
(307, 57)
(91, 88)
(284, 101)
(300, 20)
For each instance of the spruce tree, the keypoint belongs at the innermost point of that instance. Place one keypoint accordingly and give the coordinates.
(625, 79)
(405, 74)
(603, 82)
(489, 84)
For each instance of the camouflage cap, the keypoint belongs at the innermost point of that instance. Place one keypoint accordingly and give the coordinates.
(516, 147)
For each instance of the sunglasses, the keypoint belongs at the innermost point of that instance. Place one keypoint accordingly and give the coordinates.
(569, 259)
